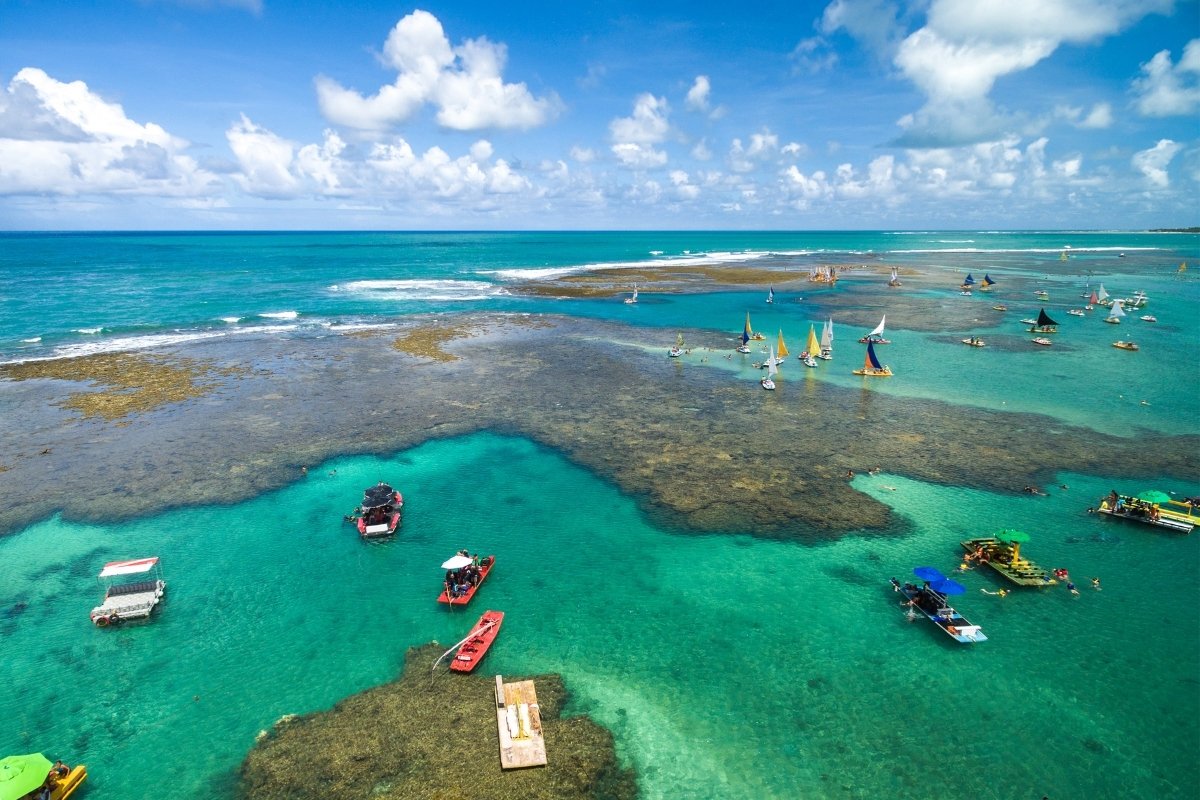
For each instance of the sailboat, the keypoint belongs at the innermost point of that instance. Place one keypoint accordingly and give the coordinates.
(968, 282)
(771, 295)
(631, 300)
(811, 347)
(677, 350)
(876, 335)
(895, 281)
(871, 367)
(1093, 299)
(755, 336)
(744, 347)
(783, 351)
(1043, 324)
(766, 381)
(826, 341)
(1115, 313)
(988, 283)
(1063, 257)
(1102, 297)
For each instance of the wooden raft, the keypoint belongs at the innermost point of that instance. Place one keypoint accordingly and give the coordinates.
(519, 723)
(1022, 572)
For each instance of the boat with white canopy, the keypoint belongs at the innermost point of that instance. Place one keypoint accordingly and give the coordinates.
(126, 599)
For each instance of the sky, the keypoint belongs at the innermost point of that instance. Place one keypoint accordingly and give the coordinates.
(465, 115)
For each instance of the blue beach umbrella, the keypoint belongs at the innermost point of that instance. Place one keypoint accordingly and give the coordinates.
(947, 586)
(928, 574)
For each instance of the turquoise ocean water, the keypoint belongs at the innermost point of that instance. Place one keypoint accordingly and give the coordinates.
(726, 666)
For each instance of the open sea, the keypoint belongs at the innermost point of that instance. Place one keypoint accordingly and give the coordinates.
(727, 666)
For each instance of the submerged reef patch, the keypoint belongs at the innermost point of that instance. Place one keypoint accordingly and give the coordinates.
(130, 382)
(422, 738)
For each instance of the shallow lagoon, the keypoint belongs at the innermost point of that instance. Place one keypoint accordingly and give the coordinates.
(728, 665)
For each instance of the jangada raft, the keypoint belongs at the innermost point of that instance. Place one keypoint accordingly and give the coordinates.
(124, 599)
(871, 367)
(380, 512)
(472, 649)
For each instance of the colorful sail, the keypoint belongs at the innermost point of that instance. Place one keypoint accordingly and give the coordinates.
(1093, 299)
(871, 361)
(1044, 320)
(1063, 257)
(783, 351)
(749, 333)
(771, 295)
(813, 347)
(987, 280)
(969, 281)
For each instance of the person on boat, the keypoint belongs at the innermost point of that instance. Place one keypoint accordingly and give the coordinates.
(475, 560)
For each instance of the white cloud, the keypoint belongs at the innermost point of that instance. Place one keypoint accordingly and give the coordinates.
(813, 55)
(464, 83)
(746, 158)
(1100, 117)
(265, 159)
(634, 136)
(647, 125)
(639, 156)
(1165, 89)
(684, 188)
(61, 138)
(583, 154)
(1152, 162)
(700, 151)
(697, 96)
(965, 46)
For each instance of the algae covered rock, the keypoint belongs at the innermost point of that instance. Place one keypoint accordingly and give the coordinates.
(422, 738)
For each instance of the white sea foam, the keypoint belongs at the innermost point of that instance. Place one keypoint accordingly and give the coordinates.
(280, 314)
(232, 320)
(89, 331)
(1029, 250)
(689, 259)
(122, 343)
(435, 290)
(33, 340)
(363, 326)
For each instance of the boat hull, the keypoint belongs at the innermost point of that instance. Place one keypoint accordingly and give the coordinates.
(886, 372)
(485, 569)
(933, 606)
(474, 649)
(67, 786)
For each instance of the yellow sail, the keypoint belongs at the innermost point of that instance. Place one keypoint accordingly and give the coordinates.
(813, 347)
(749, 330)
(783, 351)
(1183, 267)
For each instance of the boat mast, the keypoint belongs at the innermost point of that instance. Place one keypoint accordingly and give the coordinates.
(468, 638)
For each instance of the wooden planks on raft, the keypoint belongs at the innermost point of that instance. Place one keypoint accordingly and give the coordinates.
(519, 723)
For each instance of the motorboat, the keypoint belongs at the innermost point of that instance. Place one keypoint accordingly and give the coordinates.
(1042, 340)
(1156, 509)
(463, 578)
(1076, 312)
(1123, 345)
(1148, 318)
(931, 601)
(126, 599)
(379, 513)
(974, 341)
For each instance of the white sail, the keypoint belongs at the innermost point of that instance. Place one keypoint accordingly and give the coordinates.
(771, 370)
(827, 335)
(1102, 295)
(1117, 312)
(879, 328)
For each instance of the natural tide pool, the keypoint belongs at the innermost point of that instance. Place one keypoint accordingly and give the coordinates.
(726, 666)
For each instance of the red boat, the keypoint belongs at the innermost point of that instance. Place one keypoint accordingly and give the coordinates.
(380, 512)
(478, 641)
(464, 579)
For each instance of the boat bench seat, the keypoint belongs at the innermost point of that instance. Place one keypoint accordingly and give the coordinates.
(132, 588)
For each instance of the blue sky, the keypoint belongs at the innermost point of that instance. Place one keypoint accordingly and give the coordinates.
(258, 114)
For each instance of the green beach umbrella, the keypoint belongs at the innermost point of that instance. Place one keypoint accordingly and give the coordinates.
(20, 775)
(1154, 496)
(1015, 538)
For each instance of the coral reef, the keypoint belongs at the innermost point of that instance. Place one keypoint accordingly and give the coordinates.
(422, 738)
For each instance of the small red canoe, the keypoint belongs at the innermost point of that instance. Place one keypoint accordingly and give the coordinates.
(477, 644)
(464, 597)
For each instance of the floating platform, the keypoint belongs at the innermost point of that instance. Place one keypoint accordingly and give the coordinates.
(519, 723)
(1022, 572)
